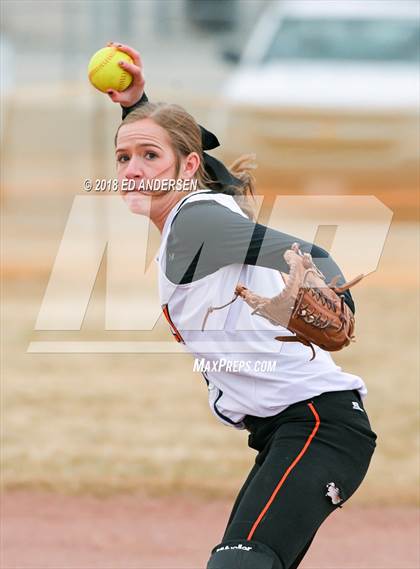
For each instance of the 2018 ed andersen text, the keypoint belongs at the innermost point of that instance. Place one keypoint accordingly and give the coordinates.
(131, 185)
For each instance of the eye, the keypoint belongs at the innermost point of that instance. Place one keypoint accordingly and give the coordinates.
(123, 158)
(150, 155)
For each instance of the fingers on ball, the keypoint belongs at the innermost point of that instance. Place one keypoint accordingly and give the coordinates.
(135, 56)
(131, 68)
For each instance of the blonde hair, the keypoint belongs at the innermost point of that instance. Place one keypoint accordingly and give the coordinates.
(185, 137)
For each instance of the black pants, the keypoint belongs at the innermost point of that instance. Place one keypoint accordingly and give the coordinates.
(313, 448)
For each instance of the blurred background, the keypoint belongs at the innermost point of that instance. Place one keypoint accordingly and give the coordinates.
(327, 96)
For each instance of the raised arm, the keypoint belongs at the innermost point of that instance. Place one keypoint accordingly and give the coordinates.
(134, 96)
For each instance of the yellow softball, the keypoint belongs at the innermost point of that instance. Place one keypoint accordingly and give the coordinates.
(104, 72)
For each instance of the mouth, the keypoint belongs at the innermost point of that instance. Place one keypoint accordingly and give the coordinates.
(128, 193)
(144, 186)
(132, 187)
(150, 187)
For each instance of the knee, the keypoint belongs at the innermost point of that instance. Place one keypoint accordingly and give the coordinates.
(243, 554)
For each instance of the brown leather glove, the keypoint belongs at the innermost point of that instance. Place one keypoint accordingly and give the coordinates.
(313, 310)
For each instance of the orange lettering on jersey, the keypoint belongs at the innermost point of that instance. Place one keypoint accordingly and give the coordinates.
(172, 326)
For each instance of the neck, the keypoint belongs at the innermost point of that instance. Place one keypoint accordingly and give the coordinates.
(168, 202)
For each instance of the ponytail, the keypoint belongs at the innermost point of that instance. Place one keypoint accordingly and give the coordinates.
(242, 169)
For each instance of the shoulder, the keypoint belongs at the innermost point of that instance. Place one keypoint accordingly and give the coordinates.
(204, 215)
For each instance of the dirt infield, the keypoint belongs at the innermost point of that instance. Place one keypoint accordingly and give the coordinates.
(49, 531)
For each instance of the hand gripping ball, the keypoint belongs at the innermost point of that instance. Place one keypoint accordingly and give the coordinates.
(105, 73)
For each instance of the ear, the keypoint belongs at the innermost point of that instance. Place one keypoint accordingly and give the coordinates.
(190, 165)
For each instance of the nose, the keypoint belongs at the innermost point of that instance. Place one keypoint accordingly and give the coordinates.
(134, 169)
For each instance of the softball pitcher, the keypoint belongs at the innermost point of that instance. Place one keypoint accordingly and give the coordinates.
(305, 415)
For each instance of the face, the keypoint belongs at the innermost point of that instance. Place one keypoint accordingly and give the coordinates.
(144, 152)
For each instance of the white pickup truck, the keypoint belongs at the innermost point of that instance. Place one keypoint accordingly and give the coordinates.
(328, 85)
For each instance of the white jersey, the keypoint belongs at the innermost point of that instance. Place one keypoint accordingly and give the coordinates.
(247, 371)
